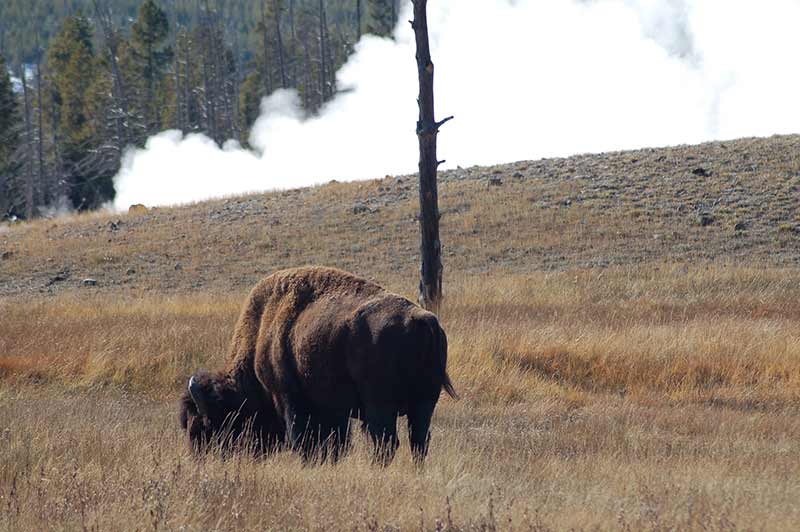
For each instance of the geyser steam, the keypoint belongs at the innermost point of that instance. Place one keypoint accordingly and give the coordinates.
(525, 79)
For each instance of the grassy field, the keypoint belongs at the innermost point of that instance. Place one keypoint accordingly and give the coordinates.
(627, 382)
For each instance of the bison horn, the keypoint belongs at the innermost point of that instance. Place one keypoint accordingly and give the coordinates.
(197, 395)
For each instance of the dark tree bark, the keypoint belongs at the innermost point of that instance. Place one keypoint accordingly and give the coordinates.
(176, 72)
(46, 187)
(190, 110)
(323, 53)
(61, 188)
(307, 75)
(30, 186)
(267, 78)
(430, 284)
(294, 52)
(358, 20)
(276, 13)
(121, 106)
(208, 69)
(236, 87)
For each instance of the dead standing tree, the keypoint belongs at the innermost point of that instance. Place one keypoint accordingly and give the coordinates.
(121, 105)
(430, 284)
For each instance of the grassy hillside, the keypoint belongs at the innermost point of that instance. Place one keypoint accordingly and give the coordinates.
(727, 202)
(623, 331)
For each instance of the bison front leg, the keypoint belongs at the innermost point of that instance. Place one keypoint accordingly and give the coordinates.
(381, 423)
(297, 418)
(419, 428)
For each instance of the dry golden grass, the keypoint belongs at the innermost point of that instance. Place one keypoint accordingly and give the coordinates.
(622, 366)
(82, 461)
(654, 397)
(675, 331)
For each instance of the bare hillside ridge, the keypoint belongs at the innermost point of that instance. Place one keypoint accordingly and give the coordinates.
(732, 202)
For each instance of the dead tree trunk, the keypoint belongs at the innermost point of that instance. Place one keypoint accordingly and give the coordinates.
(358, 20)
(179, 122)
(294, 52)
(46, 187)
(323, 53)
(276, 13)
(61, 188)
(30, 186)
(208, 66)
(121, 107)
(236, 89)
(307, 75)
(190, 110)
(430, 284)
(265, 74)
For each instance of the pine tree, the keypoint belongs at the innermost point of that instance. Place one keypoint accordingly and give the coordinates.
(358, 20)
(88, 104)
(103, 111)
(151, 56)
(250, 95)
(381, 17)
(188, 107)
(217, 68)
(114, 43)
(264, 55)
(276, 9)
(73, 71)
(9, 138)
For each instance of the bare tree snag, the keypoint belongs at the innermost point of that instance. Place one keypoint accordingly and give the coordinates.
(30, 186)
(277, 10)
(430, 284)
(358, 20)
(46, 188)
(323, 53)
(267, 79)
(121, 105)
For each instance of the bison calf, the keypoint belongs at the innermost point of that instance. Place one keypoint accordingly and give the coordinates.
(313, 348)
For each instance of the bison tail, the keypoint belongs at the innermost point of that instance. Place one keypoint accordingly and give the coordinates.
(446, 382)
(448, 387)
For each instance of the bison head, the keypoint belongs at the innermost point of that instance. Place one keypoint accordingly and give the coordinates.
(216, 415)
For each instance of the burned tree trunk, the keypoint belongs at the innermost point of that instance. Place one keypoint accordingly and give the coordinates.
(323, 54)
(121, 105)
(46, 187)
(430, 284)
(277, 9)
(358, 20)
(30, 185)
(266, 77)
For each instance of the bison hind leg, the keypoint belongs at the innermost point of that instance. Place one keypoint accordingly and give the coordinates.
(381, 424)
(320, 437)
(419, 428)
(333, 437)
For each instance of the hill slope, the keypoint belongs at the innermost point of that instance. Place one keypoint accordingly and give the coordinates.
(724, 201)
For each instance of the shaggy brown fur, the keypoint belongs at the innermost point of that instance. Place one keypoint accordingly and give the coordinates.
(316, 346)
(229, 418)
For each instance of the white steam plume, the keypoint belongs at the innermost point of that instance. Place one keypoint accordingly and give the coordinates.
(524, 79)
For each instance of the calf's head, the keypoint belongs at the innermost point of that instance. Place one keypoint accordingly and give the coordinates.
(215, 414)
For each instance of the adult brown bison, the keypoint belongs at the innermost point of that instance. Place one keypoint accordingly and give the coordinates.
(314, 347)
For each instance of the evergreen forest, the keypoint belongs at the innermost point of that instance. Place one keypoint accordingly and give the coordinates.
(82, 80)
